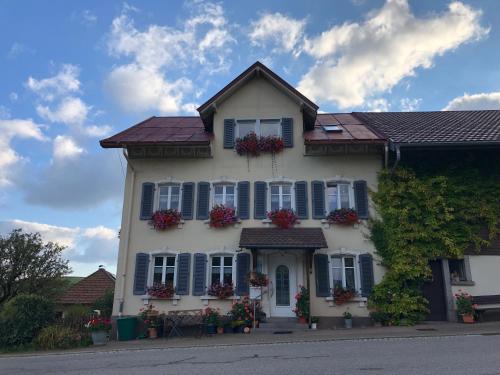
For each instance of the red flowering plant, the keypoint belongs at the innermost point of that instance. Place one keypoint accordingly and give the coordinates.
(342, 295)
(248, 145)
(161, 291)
(258, 279)
(283, 218)
(99, 324)
(242, 311)
(221, 290)
(221, 216)
(302, 303)
(149, 316)
(343, 216)
(211, 316)
(164, 219)
(271, 144)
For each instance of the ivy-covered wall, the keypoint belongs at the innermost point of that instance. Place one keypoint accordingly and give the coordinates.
(432, 206)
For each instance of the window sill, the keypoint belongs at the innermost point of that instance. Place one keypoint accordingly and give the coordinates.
(326, 225)
(206, 299)
(463, 283)
(236, 224)
(146, 298)
(361, 301)
(268, 223)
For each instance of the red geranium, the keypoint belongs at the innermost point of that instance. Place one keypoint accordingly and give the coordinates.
(161, 291)
(221, 216)
(284, 218)
(164, 219)
(343, 216)
(221, 291)
(99, 324)
(253, 145)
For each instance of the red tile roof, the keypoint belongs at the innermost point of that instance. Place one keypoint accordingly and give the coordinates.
(353, 130)
(161, 130)
(276, 238)
(88, 290)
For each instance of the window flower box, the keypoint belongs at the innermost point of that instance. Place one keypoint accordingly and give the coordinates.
(258, 279)
(165, 219)
(343, 216)
(342, 295)
(252, 145)
(161, 291)
(283, 218)
(221, 216)
(221, 291)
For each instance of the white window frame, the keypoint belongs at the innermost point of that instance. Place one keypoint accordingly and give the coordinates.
(169, 185)
(258, 126)
(280, 184)
(225, 184)
(357, 279)
(350, 192)
(164, 267)
(221, 274)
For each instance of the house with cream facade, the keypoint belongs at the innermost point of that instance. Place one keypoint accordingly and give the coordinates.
(190, 164)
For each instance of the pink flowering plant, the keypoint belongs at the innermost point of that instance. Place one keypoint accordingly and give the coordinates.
(221, 290)
(164, 219)
(253, 145)
(221, 216)
(283, 218)
(463, 301)
(162, 291)
(302, 303)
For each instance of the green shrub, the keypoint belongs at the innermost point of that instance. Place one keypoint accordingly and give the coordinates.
(23, 317)
(105, 303)
(57, 337)
(76, 316)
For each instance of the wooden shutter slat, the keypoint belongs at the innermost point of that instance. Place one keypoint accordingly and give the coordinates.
(199, 274)
(366, 273)
(203, 201)
(229, 125)
(287, 131)
(187, 200)
(244, 200)
(301, 199)
(147, 200)
(183, 265)
(361, 199)
(322, 274)
(318, 199)
(260, 200)
(242, 270)
(141, 273)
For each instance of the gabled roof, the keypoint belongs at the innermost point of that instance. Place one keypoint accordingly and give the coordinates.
(161, 130)
(89, 289)
(208, 108)
(435, 128)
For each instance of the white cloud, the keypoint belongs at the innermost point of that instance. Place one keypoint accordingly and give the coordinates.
(285, 33)
(70, 110)
(159, 53)
(356, 61)
(4, 112)
(378, 105)
(489, 100)
(86, 247)
(98, 131)
(64, 82)
(13, 96)
(88, 17)
(10, 129)
(410, 105)
(65, 147)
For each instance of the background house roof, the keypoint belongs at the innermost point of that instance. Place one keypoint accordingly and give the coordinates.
(439, 127)
(89, 289)
(277, 238)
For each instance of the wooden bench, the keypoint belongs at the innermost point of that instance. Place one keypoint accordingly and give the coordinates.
(486, 302)
(179, 319)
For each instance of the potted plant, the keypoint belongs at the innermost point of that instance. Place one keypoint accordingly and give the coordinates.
(99, 328)
(242, 314)
(343, 216)
(465, 307)
(220, 327)
(252, 145)
(302, 305)
(211, 318)
(347, 319)
(150, 318)
(283, 218)
(161, 291)
(314, 322)
(221, 291)
(164, 219)
(342, 295)
(257, 281)
(221, 216)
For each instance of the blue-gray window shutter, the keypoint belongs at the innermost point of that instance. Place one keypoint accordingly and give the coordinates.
(318, 199)
(141, 273)
(322, 275)
(147, 200)
(361, 199)
(242, 270)
(366, 274)
(183, 265)
(244, 200)
(301, 199)
(287, 131)
(203, 201)
(229, 133)
(187, 200)
(260, 200)
(199, 274)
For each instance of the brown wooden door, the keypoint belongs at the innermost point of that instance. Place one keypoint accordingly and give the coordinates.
(434, 292)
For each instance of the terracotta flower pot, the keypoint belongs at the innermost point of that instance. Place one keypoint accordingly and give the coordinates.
(152, 333)
(220, 330)
(302, 320)
(468, 318)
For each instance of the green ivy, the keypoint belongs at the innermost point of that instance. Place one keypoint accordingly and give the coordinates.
(422, 217)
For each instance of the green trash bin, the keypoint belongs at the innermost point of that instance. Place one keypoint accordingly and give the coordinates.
(126, 328)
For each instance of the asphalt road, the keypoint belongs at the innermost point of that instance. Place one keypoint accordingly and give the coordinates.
(408, 356)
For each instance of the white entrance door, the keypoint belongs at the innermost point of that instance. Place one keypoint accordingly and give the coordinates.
(283, 277)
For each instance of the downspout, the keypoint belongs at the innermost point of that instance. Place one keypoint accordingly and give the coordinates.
(398, 158)
(386, 156)
(308, 282)
(127, 236)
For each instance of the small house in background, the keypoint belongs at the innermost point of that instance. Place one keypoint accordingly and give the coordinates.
(88, 290)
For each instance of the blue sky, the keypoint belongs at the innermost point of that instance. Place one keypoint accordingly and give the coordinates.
(75, 72)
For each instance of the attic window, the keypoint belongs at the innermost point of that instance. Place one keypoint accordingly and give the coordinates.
(332, 128)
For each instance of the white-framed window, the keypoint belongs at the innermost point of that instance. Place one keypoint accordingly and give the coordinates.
(169, 196)
(338, 195)
(281, 196)
(164, 269)
(225, 193)
(261, 127)
(344, 272)
(221, 269)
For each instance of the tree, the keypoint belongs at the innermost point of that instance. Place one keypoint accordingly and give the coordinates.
(28, 265)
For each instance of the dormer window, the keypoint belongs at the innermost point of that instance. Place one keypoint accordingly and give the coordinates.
(261, 127)
(270, 127)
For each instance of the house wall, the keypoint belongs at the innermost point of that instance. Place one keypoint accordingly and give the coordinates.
(484, 273)
(257, 99)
